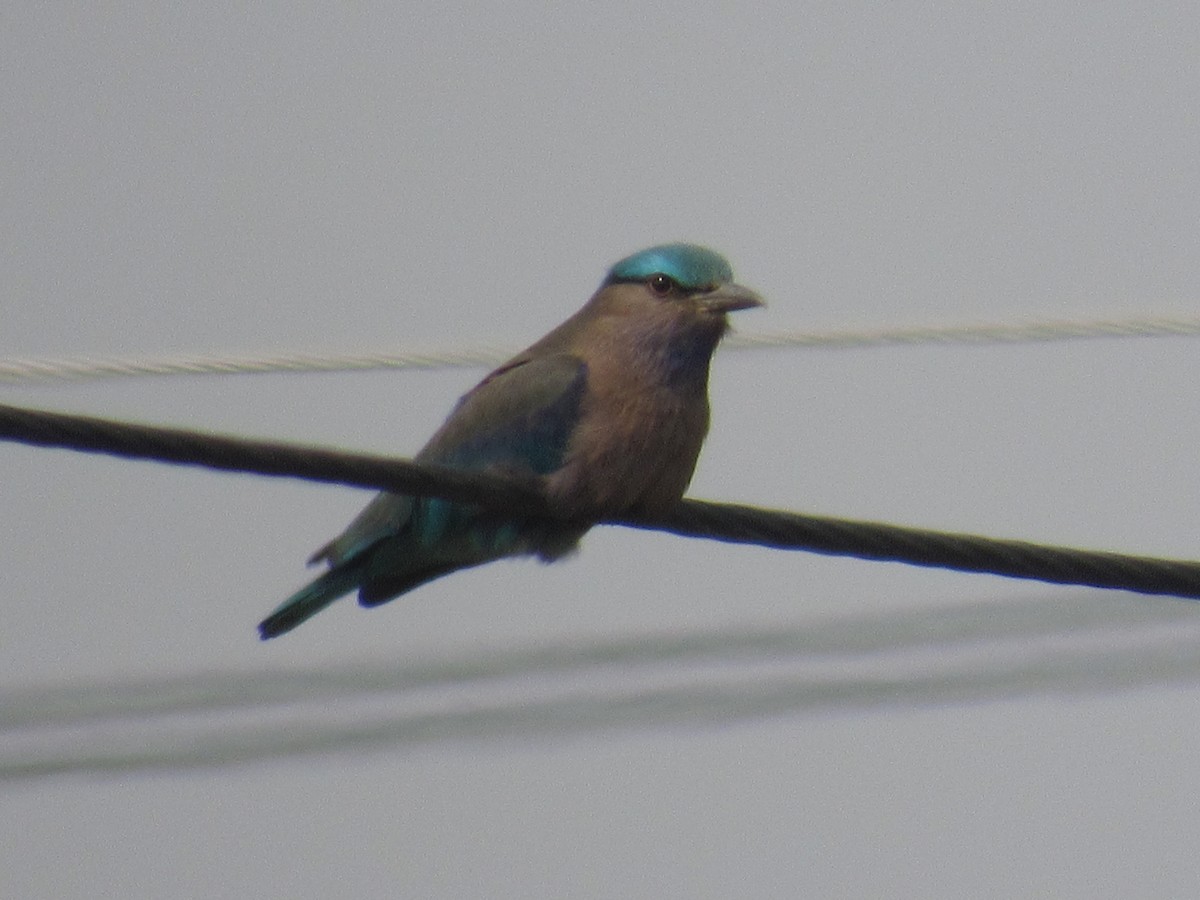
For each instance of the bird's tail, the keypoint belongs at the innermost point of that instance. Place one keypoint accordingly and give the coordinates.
(310, 600)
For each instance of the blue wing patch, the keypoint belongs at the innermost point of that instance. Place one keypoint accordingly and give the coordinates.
(519, 419)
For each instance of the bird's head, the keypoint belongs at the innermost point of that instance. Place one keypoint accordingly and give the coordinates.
(669, 303)
(695, 280)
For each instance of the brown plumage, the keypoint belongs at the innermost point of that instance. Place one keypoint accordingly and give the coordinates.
(609, 410)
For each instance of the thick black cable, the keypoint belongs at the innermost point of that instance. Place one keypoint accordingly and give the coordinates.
(922, 547)
(232, 454)
(691, 518)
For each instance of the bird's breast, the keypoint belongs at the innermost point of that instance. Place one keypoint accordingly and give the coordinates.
(636, 443)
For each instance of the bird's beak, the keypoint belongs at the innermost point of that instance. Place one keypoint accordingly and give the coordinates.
(729, 297)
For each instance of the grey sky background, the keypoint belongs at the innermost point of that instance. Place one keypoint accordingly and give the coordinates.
(221, 180)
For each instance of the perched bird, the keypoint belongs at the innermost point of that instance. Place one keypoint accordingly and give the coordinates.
(607, 412)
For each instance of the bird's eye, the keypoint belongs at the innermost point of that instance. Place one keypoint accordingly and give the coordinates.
(660, 285)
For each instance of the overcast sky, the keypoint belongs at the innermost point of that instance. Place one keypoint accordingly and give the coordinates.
(655, 717)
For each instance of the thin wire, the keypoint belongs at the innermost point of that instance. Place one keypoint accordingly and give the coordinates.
(692, 518)
(970, 653)
(997, 333)
(42, 369)
(50, 369)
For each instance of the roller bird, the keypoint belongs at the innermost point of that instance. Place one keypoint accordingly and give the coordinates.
(606, 414)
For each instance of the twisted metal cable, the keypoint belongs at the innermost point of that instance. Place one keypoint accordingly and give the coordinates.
(923, 547)
(996, 333)
(88, 369)
(692, 518)
(18, 371)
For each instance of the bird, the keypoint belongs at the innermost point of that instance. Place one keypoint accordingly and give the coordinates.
(606, 414)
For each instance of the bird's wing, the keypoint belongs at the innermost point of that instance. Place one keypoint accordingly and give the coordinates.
(520, 417)
(518, 420)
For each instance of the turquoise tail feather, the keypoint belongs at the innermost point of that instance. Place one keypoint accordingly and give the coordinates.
(310, 600)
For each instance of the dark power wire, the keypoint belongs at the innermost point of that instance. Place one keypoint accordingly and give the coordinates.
(691, 518)
(922, 547)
